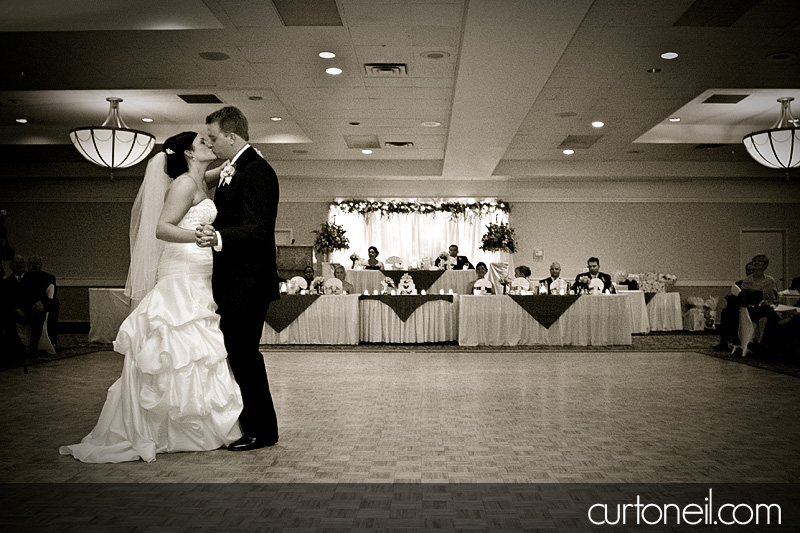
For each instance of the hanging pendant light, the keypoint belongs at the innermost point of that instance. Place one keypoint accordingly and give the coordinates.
(112, 145)
(779, 146)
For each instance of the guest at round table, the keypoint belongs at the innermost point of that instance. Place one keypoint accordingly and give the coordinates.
(485, 285)
(555, 283)
(340, 273)
(764, 286)
(372, 261)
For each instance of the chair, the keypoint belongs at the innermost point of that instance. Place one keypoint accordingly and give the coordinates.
(747, 328)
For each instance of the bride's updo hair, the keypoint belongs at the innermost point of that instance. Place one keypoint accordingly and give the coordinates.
(174, 148)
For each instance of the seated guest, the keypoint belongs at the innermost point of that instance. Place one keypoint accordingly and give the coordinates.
(759, 286)
(40, 279)
(372, 261)
(555, 283)
(795, 286)
(729, 316)
(25, 301)
(522, 276)
(308, 275)
(593, 264)
(340, 273)
(453, 260)
(484, 284)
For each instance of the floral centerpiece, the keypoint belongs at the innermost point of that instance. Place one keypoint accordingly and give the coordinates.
(330, 237)
(317, 284)
(354, 258)
(505, 282)
(498, 238)
(443, 257)
(387, 284)
(655, 281)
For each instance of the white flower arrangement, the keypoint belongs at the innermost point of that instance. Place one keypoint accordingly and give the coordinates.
(317, 283)
(387, 284)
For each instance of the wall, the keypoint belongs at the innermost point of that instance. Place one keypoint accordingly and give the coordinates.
(690, 228)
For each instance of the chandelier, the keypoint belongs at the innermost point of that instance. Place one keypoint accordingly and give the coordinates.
(112, 145)
(779, 146)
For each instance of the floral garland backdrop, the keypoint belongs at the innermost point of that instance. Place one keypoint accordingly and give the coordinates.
(456, 209)
(416, 230)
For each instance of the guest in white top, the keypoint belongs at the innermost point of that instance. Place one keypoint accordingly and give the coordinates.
(555, 283)
(481, 271)
(340, 273)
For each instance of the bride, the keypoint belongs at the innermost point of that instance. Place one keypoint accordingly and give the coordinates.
(176, 392)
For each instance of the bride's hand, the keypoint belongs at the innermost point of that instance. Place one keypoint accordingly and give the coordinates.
(205, 236)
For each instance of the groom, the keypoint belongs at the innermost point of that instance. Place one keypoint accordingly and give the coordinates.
(245, 276)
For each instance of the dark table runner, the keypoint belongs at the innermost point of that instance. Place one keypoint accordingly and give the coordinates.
(283, 312)
(649, 296)
(405, 305)
(423, 279)
(545, 309)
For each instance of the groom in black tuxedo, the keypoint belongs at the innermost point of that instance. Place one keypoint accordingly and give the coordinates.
(245, 276)
(593, 264)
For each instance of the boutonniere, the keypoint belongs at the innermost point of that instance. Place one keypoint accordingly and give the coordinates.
(227, 173)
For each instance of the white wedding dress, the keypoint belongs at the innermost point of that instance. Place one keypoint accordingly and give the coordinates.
(176, 392)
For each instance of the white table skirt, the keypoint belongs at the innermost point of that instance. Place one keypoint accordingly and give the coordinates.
(434, 321)
(370, 280)
(329, 320)
(664, 311)
(499, 321)
(640, 320)
(108, 308)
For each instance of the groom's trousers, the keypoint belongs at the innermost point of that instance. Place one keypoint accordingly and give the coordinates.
(241, 329)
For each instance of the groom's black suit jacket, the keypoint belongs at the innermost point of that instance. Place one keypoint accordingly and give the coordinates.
(608, 285)
(245, 271)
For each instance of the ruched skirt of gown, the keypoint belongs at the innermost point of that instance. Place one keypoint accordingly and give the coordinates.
(176, 392)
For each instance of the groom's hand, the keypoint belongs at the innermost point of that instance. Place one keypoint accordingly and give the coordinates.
(205, 236)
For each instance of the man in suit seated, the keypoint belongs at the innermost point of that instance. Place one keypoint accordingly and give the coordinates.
(40, 283)
(593, 264)
(454, 261)
(26, 300)
(555, 283)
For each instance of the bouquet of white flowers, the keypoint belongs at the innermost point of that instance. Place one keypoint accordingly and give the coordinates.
(387, 285)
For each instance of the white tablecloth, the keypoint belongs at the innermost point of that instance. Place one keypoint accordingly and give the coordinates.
(640, 321)
(329, 320)
(434, 321)
(499, 321)
(108, 308)
(370, 280)
(664, 311)
(788, 299)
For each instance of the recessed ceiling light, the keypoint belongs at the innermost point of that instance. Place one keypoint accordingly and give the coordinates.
(22, 120)
(327, 55)
(431, 124)
(669, 55)
(354, 123)
(147, 119)
(674, 119)
(276, 119)
(653, 70)
(255, 98)
(333, 71)
(366, 152)
(781, 57)
(598, 124)
(568, 152)
(435, 54)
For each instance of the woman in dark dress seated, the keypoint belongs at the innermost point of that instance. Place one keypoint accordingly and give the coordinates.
(372, 262)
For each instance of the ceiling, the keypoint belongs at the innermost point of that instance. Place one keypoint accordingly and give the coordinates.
(511, 82)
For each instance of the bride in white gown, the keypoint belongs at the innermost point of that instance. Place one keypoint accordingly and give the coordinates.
(176, 392)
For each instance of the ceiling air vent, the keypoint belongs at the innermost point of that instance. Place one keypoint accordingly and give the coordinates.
(725, 98)
(362, 141)
(579, 141)
(398, 144)
(708, 146)
(385, 70)
(308, 12)
(200, 98)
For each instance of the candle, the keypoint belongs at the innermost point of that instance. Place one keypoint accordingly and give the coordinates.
(375, 292)
(561, 291)
(450, 291)
(394, 292)
(422, 292)
(366, 292)
(441, 291)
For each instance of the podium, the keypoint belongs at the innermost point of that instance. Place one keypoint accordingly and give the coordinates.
(293, 259)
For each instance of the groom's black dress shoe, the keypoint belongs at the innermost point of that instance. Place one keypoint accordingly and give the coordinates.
(250, 443)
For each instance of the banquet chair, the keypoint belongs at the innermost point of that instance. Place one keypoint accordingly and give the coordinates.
(747, 327)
